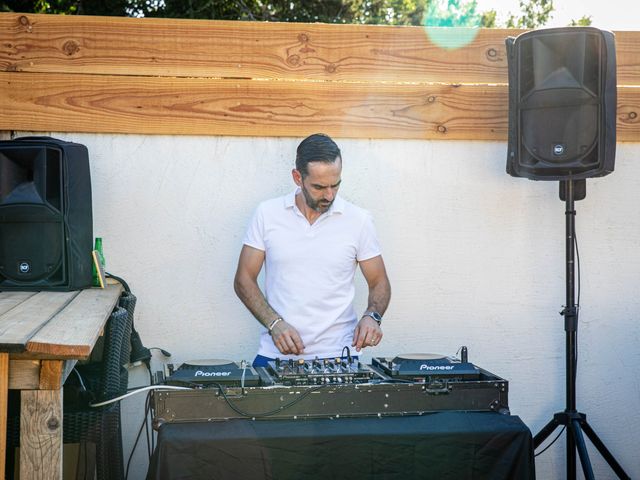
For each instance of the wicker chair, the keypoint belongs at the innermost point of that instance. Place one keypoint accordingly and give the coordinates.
(81, 423)
(128, 302)
(102, 425)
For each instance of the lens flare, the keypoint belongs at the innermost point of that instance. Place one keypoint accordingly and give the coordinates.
(452, 24)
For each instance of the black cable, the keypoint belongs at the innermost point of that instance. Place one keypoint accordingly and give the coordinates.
(162, 350)
(124, 284)
(554, 441)
(270, 412)
(153, 438)
(575, 242)
(348, 353)
(135, 444)
(146, 426)
(381, 381)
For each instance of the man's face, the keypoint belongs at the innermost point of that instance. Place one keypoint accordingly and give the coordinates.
(321, 184)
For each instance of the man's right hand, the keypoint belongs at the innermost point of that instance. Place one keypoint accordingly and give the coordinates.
(287, 339)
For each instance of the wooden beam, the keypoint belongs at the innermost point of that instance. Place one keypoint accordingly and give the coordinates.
(97, 103)
(166, 76)
(24, 374)
(74, 331)
(116, 104)
(51, 374)
(41, 434)
(628, 57)
(223, 49)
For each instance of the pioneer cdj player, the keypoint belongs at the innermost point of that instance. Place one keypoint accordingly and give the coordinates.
(421, 367)
(410, 384)
(199, 373)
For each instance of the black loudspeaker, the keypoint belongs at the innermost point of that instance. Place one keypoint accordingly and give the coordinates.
(46, 222)
(562, 104)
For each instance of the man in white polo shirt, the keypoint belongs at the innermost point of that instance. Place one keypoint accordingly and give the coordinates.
(310, 242)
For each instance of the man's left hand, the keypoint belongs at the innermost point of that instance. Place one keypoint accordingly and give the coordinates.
(367, 333)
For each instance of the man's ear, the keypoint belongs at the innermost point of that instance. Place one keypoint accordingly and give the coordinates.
(297, 177)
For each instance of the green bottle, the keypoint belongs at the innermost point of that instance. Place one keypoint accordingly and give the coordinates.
(98, 248)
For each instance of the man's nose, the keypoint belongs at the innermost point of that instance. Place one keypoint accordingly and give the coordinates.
(330, 194)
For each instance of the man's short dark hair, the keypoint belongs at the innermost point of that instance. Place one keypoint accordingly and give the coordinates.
(316, 148)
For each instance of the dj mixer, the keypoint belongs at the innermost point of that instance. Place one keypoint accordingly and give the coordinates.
(410, 384)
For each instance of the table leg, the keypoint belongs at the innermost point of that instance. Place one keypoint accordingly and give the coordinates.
(4, 389)
(41, 434)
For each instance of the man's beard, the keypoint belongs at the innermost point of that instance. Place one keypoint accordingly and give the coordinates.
(320, 206)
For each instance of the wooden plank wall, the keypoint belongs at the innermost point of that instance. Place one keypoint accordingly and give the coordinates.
(161, 76)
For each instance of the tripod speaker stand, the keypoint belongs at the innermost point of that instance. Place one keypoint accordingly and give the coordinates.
(574, 421)
(562, 126)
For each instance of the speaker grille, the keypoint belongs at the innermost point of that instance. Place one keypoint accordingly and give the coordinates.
(24, 260)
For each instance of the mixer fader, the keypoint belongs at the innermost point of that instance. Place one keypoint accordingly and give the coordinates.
(334, 371)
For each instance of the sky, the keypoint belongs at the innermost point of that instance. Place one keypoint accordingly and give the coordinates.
(605, 14)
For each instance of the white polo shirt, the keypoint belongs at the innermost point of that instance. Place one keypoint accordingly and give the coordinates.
(309, 270)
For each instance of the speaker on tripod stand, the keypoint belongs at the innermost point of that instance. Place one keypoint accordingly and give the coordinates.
(46, 221)
(562, 126)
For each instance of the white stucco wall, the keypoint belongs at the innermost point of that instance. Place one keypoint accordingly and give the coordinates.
(475, 258)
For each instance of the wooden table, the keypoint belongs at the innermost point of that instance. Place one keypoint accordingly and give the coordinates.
(42, 336)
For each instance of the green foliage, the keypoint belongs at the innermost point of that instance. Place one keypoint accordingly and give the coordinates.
(68, 7)
(489, 19)
(533, 14)
(393, 12)
(584, 21)
(462, 13)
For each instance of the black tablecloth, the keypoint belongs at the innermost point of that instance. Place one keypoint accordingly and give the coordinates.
(447, 445)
